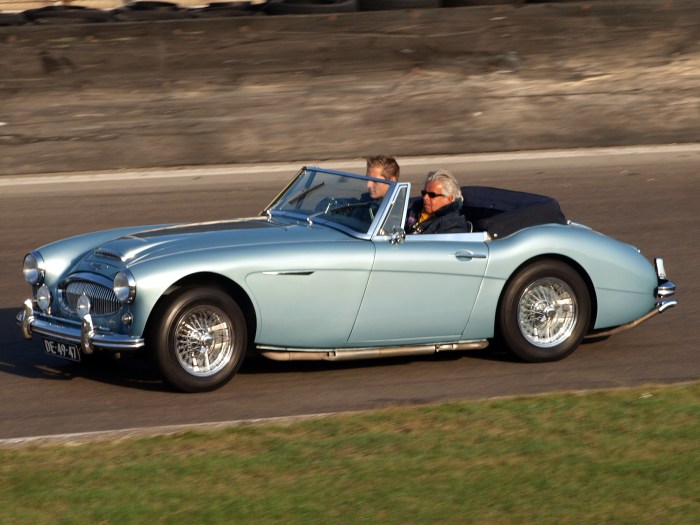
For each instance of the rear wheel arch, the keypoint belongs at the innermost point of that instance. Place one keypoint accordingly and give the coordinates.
(568, 261)
(532, 317)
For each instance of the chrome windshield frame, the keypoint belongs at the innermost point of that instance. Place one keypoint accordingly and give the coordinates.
(386, 204)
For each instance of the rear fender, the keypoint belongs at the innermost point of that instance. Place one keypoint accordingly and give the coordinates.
(620, 280)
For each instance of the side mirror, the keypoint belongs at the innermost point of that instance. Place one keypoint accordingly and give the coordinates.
(398, 236)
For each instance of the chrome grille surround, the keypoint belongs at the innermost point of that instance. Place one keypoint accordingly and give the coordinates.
(103, 301)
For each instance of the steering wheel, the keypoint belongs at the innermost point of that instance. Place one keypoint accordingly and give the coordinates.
(369, 205)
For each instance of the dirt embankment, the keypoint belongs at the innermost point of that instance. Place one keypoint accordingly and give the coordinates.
(433, 81)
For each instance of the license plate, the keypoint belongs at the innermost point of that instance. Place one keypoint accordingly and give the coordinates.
(64, 350)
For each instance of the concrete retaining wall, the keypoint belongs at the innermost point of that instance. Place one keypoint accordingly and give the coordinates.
(22, 5)
(127, 95)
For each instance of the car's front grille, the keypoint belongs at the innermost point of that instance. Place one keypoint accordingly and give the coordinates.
(102, 299)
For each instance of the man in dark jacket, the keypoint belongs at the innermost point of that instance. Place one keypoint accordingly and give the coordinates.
(440, 209)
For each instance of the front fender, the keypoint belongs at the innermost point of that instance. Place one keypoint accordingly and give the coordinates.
(60, 256)
(156, 275)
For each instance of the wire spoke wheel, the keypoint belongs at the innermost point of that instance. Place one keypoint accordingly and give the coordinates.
(544, 311)
(198, 338)
(203, 341)
(547, 312)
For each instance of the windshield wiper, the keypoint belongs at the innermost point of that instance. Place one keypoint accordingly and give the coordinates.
(304, 193)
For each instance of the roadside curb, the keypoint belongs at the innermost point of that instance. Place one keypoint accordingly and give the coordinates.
(83, 438)
(342, 164)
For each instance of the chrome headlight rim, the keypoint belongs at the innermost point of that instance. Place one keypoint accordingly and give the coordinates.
(34, 268)
(124, 286)
(43, 298)
(83, 305)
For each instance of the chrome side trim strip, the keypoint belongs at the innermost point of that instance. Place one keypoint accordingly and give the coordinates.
(289, 272)
(347, 354)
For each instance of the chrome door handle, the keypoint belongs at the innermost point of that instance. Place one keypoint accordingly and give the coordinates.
(466, 255)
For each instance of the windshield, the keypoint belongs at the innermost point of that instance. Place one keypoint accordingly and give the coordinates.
(325, 196)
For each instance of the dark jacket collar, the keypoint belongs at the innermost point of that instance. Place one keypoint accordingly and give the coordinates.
(448, 208)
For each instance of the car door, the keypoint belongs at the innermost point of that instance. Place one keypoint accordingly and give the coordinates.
(420, 289)
(311, 295)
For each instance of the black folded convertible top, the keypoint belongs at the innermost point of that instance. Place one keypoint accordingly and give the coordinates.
(502, 212)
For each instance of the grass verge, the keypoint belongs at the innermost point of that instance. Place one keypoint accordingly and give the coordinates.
(622, 457)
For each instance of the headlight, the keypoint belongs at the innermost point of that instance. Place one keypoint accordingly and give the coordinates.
(124, 286)
(83, 305)
(43, 298)
(33, 268)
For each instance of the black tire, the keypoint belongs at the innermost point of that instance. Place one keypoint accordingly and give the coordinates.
(306, 7)
(385, 5)
(225, 9)
(471, 3)
(52, 10)
(198, 339)
(544, 312)
(150, 10)
(12, 19)
(155, 15)
(155, 5)
(66, 14)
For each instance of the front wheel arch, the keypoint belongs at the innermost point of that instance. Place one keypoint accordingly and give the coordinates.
(212, 280)
(198, 338)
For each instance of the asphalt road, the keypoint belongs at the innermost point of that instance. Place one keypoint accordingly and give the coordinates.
(646, 196)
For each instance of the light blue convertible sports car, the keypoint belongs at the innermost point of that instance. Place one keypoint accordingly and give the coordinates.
(326, 273)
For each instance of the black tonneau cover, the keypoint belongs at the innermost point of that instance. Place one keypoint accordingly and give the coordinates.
(502, 212)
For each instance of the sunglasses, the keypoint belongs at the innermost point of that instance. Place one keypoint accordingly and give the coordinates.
(431, 194)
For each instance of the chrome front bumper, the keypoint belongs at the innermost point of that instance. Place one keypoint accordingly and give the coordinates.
(82, 334)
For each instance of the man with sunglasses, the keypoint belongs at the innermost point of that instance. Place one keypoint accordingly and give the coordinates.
(440, 209)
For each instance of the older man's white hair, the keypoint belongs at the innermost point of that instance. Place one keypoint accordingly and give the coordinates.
(450, 186)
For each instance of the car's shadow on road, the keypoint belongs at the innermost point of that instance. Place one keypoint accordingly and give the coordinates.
(25, 358)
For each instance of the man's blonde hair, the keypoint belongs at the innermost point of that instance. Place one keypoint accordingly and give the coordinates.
(390, 168)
